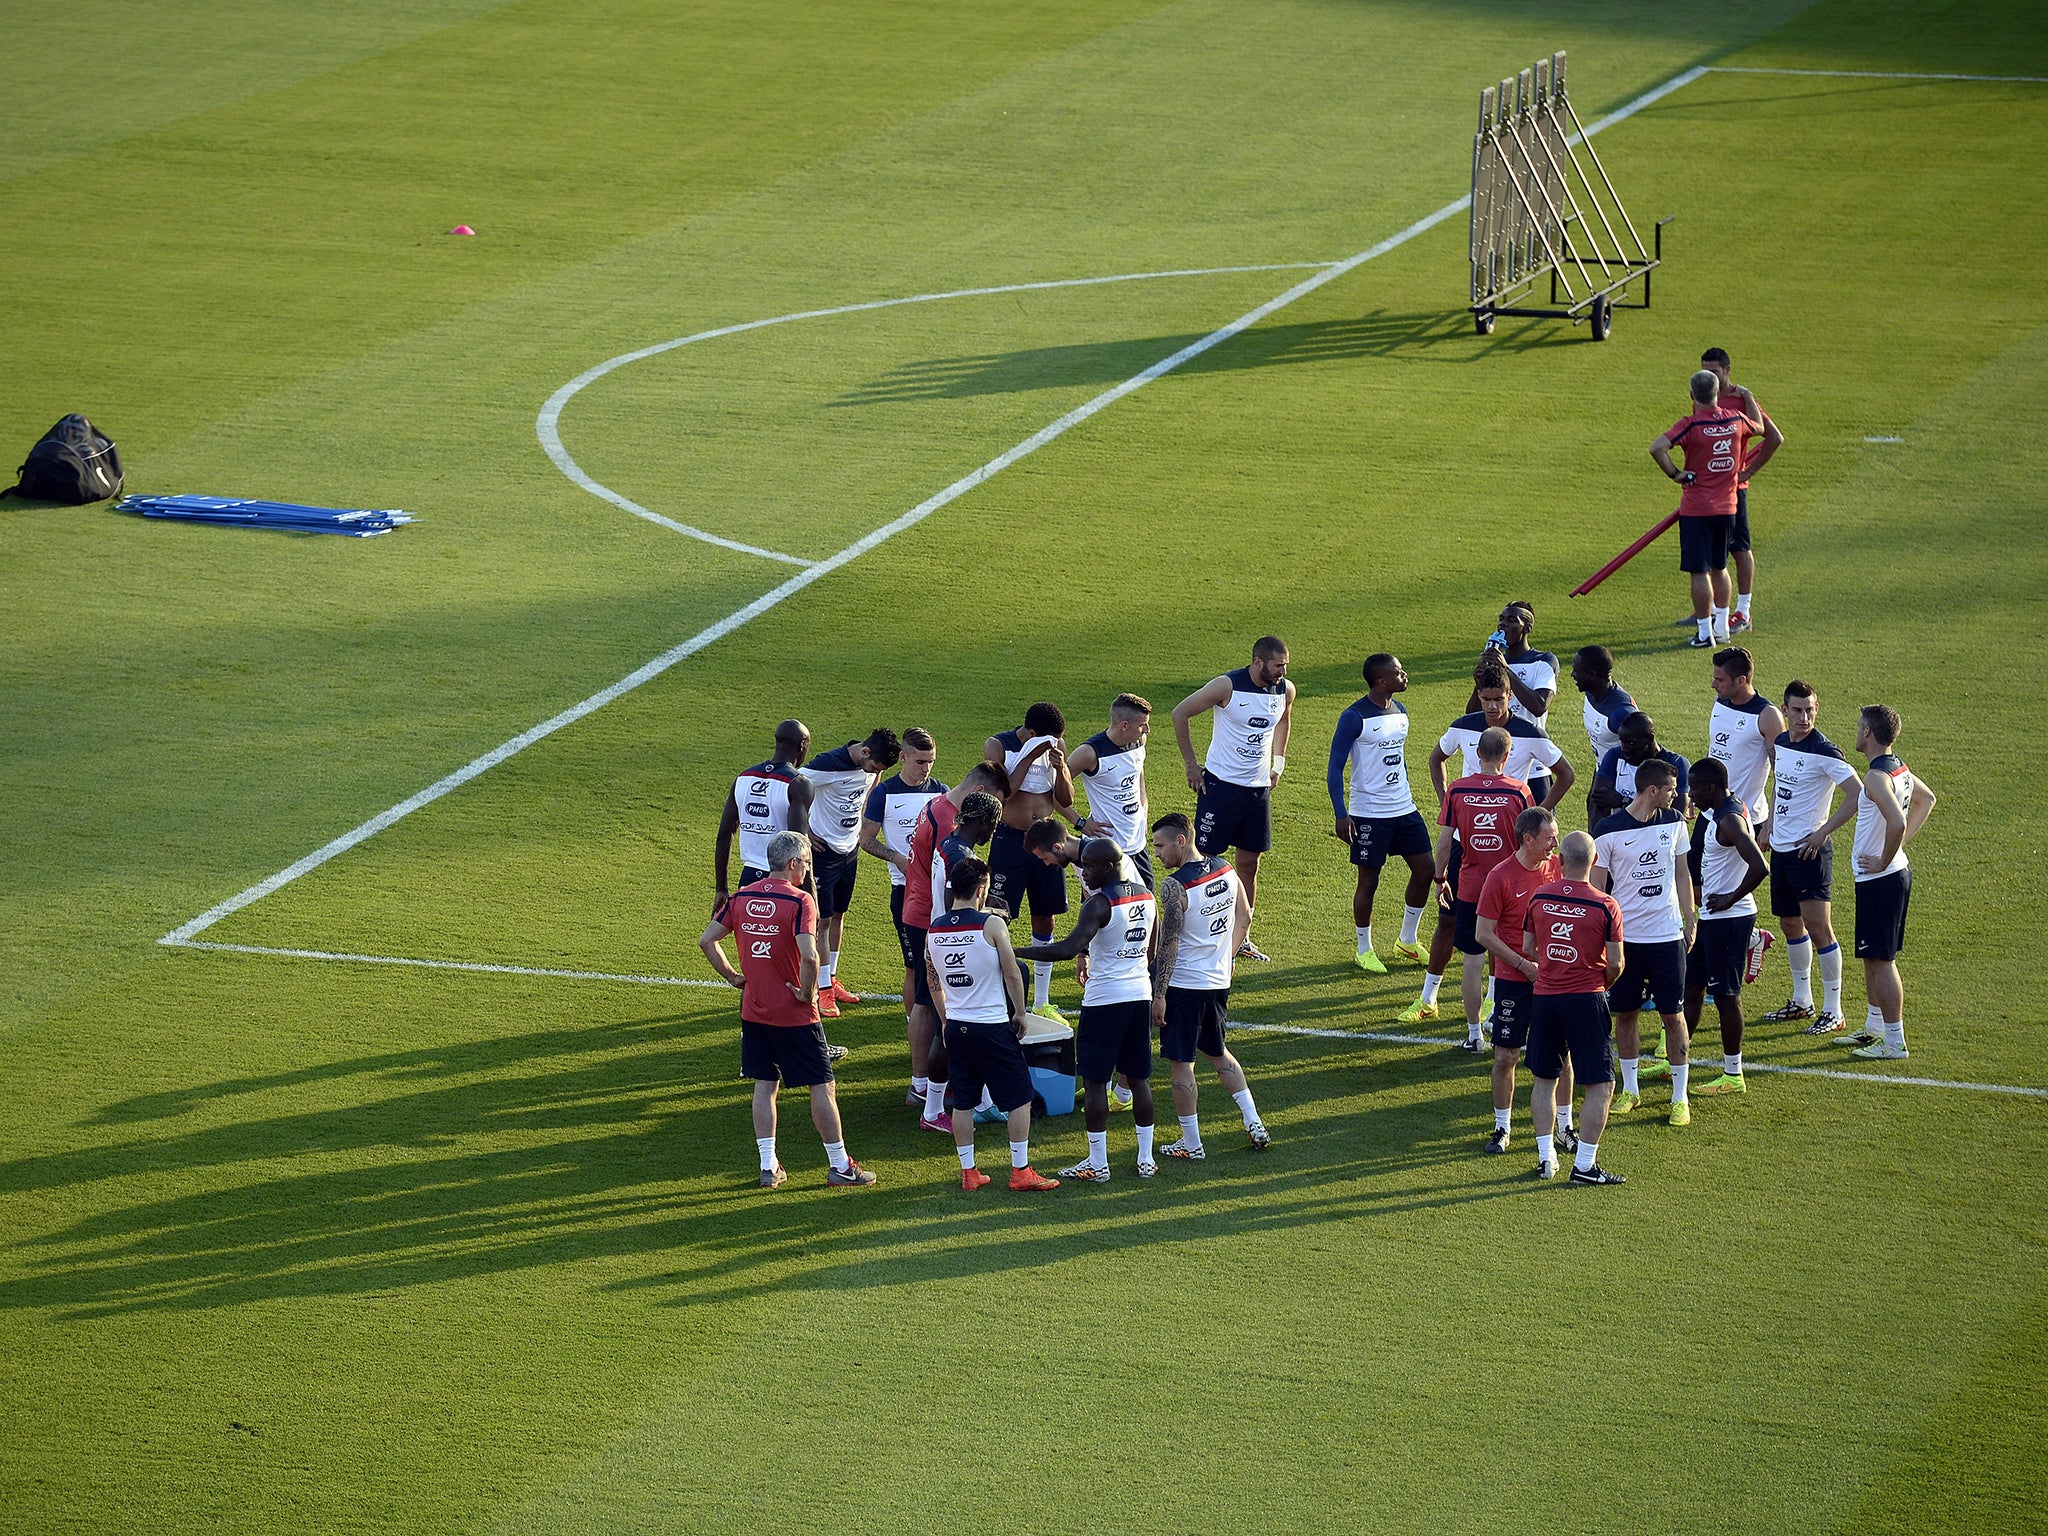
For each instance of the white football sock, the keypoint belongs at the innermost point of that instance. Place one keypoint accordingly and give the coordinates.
(1098, 1149)
(1546, 1149)
(1831, 980)
(918, 1085)
(1742, 604)
(1145, 1134)
(1706, 628)
(1411, 923)
(1895, 1033)
(966, 1154)
(1120, 1093)
(1041, 983)
(935, 1099)
(1630, 1067)
(1564, 1116)
(1020, 1154)
(1364, 939)
(831, 965)
(1681, 1074)
(835, 1154)
(1720, 622)
(1731, 1063)
(767, 1146)
(1191, 1131)
(1799, 955)
(1873, 1019)
(1430, 982)
(1500, 1119)
(1588, 1151)
(1243, 1100)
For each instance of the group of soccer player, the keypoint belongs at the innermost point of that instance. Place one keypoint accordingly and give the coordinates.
(1652, 906)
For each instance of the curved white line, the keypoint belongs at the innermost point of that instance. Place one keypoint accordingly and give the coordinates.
(548, 426)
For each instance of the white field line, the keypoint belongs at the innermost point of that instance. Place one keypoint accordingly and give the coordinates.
(1377, 1036)
(185, 932)
(1891, 74)
(548, 426)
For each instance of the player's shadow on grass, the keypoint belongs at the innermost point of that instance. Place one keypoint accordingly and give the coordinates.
(1444, 337)
(631, 1139)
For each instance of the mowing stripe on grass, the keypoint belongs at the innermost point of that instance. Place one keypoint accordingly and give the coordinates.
(1876, 74)
(185, 932)
(1380, 1037)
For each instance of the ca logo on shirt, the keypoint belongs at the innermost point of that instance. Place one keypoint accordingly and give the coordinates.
(761, 949)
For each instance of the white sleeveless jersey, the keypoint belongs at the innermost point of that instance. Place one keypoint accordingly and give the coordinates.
(1038, 779)
(970, 967)
(1870, 829)
(1808, 773)
(1535, 670)
(1603, 717)
(1241, 731)
(1379, 760)
(1641, 859)
(1116, 791)
(1721, 870)
(1117, 970)
(1202, 962)
(839, 792)
(1736, 742)
(762, 795)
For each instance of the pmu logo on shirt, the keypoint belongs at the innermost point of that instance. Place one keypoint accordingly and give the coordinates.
(1134, 935)
(1216, 887)
(757, 807)
(1392, 760)
(759, 908)
(1259, 723)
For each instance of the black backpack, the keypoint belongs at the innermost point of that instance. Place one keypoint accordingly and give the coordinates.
(75, 463)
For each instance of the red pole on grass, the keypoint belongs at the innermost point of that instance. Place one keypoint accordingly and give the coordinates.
(1623, 558)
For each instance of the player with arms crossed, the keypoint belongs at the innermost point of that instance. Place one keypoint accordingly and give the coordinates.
(1573, 932)
(1800, 832)
(1118, 927)
(781, 1039)
(978, 992)
(889, 817)
(1641, 850)
(1479, 814)
(1111, 764)
(1378, 819)
(1254, 709)
(1202, 913)
(1606, 705)
(1894, 807)
(841, 781)
(1731, 868)
(1502, 915)
(1033, 762)
(1712, 436)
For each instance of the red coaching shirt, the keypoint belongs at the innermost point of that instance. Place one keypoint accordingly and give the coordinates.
(1714, 443)
(1573, 925)
(934, 826)
(1505, 899)
(766, 919)
(1483, 807)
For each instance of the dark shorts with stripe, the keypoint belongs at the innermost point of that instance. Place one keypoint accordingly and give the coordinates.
(795, 1053)
(1719, 955)
(1650, 973)
(1703, 542)
(1574, 1024)
(1113, 1038)
(1513, 1002)
(1016, 874)
(1194, 1022)
(1738, 541)
(1881, 914)
(1796, 878)
(1232, 816)
(834, 874)
(1375, 839)
(1465, 927)
(987, 1056)
(911, 939)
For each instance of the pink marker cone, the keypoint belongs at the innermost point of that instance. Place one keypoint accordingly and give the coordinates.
(462, 229)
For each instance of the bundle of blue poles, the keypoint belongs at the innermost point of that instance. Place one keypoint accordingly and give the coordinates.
(265, 514)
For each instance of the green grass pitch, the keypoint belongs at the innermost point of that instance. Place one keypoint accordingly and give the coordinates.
(289, 1245)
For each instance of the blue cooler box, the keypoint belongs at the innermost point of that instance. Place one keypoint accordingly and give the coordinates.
(1049, 1054)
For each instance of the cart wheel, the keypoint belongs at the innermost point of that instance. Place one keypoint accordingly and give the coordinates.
(1603, 318)
(1483, 324)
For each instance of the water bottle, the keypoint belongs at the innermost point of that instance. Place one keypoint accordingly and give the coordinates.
(1499, 641)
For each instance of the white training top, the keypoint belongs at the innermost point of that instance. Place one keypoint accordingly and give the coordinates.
(1736, 742)
(1530, 753)
(1641, 859)
(1116, 791)
(1808, 772)
(1721, 870)
(1117, 972)
(839, 792)
(1603, 715)
(1379, 760)
(1202, 962)
(1536, 669)
(1241, 732)
(762, 795)
(970, 967)
(894, 807)
(1870, 828)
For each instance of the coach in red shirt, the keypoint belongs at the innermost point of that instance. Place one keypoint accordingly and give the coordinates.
(781, 1040)
(1572, 931)
(1712, 438)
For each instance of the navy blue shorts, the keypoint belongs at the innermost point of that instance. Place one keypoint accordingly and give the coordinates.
(1232, 816)
(1141, 861)
(795, 1053)
(834, 874)
(1016, 874)
(1719, 957)
(911, 939)
(1881, 914)
(1113, 1038)
(1573, 1023)
(987, 1056)
(1539, 788)
(1703, 542)
(1738, 541)
(1375, 839)
(1795, 878)
(1652, 973)
(1465, 927)
(1194, 1022)
(1513, 1002)
(749, 874)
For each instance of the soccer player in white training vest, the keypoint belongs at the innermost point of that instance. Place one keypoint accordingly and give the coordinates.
(1033, 760)
(1119, 928)
(1741, 726)
(1254, 709)
(1642, 866)
(840, 783)
(1111, 766)
(891, 814)
(1731, 868)
(1606, 705)
(1378, 819)
(1809, 768)
(768, 798)
(1202, 913)
(979, 994)
(1895, 806)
